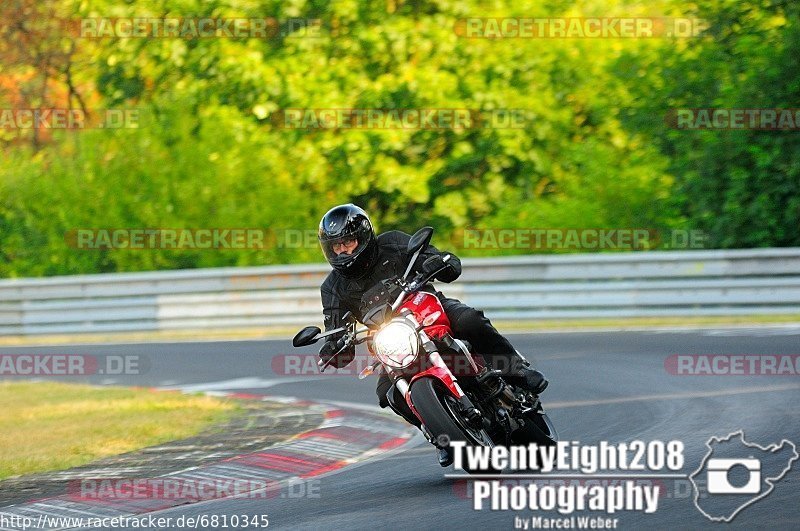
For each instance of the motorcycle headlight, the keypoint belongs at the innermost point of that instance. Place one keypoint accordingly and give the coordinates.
(396, 345)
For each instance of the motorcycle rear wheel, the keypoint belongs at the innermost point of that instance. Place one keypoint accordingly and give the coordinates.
(537, 428)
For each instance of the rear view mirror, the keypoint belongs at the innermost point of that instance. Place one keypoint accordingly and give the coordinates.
(420, 240)
(306, 336)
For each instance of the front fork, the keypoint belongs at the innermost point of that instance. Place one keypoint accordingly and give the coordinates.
(441, 372)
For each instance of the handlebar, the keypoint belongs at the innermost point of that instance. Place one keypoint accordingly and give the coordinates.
(350, 338)
(418, 282)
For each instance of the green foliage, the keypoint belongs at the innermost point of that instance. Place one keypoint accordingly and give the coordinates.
(594, 151)
(740, 186)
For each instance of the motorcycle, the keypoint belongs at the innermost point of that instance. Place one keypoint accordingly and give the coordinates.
(450, 390)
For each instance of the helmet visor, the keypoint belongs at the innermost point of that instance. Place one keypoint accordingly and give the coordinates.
(344, 248)
(345, 245)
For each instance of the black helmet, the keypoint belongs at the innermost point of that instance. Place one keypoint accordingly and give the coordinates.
(349, 222)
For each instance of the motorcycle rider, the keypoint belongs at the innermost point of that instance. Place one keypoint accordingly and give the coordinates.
(361, 260)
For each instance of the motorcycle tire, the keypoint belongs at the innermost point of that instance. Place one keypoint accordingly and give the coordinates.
(537, 428)
(440, 414)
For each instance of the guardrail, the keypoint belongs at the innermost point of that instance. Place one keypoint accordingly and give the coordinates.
(750, 281)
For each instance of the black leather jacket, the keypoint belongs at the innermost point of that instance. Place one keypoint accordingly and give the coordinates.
(341, 294)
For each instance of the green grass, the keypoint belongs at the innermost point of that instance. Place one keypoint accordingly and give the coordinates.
(48, 426)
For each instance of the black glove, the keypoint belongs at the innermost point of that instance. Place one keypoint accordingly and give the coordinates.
(326, 352)
(434, 263)
(329, 348)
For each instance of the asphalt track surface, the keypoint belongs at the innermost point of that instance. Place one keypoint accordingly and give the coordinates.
(604, 386)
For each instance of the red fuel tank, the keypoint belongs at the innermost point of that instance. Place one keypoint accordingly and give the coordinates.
(429, 312)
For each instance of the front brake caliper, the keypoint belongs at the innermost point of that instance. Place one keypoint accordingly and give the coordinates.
(471, 413)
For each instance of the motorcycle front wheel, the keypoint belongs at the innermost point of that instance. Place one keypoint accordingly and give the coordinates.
(442, 416)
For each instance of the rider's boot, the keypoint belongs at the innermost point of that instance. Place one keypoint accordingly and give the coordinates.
(445, 456)
(525, 376)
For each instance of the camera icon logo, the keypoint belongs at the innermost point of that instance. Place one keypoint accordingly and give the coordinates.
(736, 473)
(718, 476)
